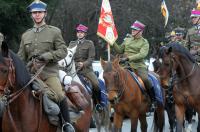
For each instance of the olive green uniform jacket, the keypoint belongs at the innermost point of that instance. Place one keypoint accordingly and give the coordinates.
(47, 41)
(136, 51)
(193, 41)
(85, 52)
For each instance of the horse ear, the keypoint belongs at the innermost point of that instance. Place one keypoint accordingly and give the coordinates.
(103, 63)
(4, 49)
(169, 50)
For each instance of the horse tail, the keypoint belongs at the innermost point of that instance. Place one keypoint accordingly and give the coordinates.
(159, 118)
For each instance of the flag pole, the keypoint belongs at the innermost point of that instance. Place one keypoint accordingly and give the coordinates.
(108, 48)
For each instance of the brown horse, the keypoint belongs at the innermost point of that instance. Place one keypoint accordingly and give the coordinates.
(23, 112)
(182, 67)
(83, 123)
(127, 99)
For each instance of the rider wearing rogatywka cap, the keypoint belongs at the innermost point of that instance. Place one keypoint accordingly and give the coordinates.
(193, 35)
(136, 49)
(45, 43)
(84, 56)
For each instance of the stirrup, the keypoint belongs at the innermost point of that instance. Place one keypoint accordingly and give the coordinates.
(66, 125)
(99, 107)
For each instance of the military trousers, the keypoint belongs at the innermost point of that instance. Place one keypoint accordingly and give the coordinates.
(143, 74)
(94, 80)
(54, 84)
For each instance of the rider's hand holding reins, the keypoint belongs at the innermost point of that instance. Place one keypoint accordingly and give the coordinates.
(123, 60)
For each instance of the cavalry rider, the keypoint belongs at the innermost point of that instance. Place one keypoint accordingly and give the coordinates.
(180, 35)
(136, 49)
(172, 36)
(83, 57)
(45, 43)
(193, 35)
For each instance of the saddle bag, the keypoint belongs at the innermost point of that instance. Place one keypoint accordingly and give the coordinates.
(77, 97)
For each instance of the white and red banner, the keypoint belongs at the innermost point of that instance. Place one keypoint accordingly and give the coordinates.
(106, 28)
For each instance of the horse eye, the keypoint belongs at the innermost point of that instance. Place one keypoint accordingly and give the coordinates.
(4, 70)
(70, 55)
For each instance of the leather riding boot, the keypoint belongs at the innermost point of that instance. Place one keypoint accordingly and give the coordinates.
(67, 127)
(97, 101)
(151, 94)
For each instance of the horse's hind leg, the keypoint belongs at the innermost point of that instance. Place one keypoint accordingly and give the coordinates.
(143, 122)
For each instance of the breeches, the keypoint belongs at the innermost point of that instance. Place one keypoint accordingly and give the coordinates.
(54, 84)
(143, 74)
(94, 80)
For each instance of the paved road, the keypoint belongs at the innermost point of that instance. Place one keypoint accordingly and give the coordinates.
(126, 125)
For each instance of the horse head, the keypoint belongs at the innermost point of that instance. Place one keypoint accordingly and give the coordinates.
(69, 58)
(13, 72)
(112, 80)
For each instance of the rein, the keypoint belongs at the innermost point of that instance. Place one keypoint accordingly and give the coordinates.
(11, 97)
(173, 73)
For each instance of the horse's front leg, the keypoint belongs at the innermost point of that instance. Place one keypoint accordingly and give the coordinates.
(118, 121)
(180, 112)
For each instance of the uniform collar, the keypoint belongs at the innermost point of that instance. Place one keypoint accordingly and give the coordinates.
(80, 41)
(40, 28)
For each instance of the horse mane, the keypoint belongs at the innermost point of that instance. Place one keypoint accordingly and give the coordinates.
(176, 47)
(108, 67)
(22, 74)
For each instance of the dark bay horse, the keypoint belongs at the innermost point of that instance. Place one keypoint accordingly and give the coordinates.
(127, 99)
(185, 72)
(23, 112)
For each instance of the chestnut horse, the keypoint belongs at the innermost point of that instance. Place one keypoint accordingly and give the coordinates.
(181, 66)
(127, 98)
(23, 112)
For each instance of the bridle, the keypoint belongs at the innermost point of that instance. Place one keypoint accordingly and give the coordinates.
(120, 86)
(9, 97)
(69, 66)
(173, 73)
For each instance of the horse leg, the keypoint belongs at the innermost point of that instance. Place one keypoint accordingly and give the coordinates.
(143, 122)
(198, 127)
(159, 118)
(170, 108)
(188, 117)
(180, 112)
(118, 120)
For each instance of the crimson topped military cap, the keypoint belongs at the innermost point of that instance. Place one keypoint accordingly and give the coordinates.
(82, 28)
(37, 5)
(137, 25)
(195, 13)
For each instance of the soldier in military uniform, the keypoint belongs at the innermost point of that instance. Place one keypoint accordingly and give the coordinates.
(193, 35)
(136, 49)
(46, 44)
(85, 54)
(180, 35)
(1, 38)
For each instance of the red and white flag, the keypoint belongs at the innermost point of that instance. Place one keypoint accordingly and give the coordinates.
(106, 28)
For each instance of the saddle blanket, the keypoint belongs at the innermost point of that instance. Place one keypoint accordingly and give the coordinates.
(155, 83)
